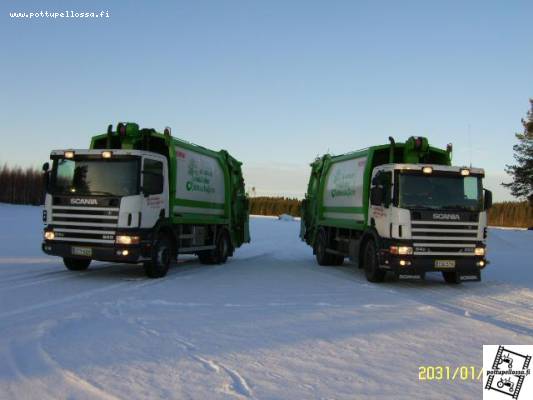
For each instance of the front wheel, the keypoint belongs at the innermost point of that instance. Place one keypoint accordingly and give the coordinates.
(76, 264)
(161, 258)
(371, 263)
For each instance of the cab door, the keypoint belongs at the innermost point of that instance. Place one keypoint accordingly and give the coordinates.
(154, 189)
(381, 202)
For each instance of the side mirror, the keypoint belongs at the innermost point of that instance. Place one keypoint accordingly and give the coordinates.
(377, 195)
(488, 199)
(46, 176)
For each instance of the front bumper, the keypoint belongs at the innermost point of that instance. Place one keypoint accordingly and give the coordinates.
(419, 265)
(114, 253)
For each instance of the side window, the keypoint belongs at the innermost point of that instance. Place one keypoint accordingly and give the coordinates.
(64, 176)
(152, 177)
(383, 181)
(387, 185)
(471, 188)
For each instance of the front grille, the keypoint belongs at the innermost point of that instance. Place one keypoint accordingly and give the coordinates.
(435, 238)
(85, 224)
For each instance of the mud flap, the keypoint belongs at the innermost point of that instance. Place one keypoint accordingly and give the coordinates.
(474, 277)
(421, 275)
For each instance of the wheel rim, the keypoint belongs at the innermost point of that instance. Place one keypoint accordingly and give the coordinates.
(369, 258)
(224, 247)
(320, 248)
(164, 256)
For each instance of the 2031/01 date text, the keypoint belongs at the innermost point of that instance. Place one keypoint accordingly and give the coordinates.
(447, 373)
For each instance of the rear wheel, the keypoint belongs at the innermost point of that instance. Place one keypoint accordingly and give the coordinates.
(222, 249)
(220, 254)
(76, 264)
(205, 257)
(322, 256)
(161, 258)
(451, 277)
(371, 263)
(338, 259)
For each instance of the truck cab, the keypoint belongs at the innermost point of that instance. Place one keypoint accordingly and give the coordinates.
(99, 203)
(430, 218)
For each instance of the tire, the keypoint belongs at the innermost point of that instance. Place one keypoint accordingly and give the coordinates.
(338, 260)
(223, 248)
(206, 257)
(322, 257)
(451, 277)
(162, 255)
(220, 254)
(370, 263)
(76, 264)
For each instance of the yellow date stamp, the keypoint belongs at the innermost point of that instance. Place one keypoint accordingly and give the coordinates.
(449, 373)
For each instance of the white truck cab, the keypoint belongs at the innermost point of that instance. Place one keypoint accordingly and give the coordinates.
(430, 211)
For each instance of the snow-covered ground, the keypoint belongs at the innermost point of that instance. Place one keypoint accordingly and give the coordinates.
(269, 324)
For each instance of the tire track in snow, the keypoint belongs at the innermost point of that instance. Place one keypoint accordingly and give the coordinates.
(238, 386)
(38, 282)
(38, 360)
(86, 386)
(442, 299)
(62, 300)
(29, 276)
(465, 308)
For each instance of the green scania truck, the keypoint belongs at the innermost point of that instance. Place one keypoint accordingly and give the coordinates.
(139, 196)
(398, 207)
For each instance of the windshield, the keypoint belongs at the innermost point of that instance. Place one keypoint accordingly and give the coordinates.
(96, 177)
(448, 192)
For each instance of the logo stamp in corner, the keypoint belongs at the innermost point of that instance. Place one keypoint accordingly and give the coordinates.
(507, 372)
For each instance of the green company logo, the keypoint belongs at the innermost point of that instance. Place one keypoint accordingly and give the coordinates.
(343, 184)
(199, 178)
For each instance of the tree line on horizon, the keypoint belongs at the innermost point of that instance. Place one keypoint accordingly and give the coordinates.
(21, 185)
(25, 186)
(514, 214)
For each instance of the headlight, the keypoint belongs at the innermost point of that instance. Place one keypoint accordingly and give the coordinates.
(49, 235)
(427, 170)
(465, 172)
(124, 239)
(403, 250)
(69, 154)
(107, 154)
(479, 251)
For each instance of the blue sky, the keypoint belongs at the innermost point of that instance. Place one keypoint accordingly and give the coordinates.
(274, 82)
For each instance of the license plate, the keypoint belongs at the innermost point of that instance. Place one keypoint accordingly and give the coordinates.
(444, 263)
(82, 251)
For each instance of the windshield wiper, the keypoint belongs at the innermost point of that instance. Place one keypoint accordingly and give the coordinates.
(95, 192)
(457, 207)
(419, 207)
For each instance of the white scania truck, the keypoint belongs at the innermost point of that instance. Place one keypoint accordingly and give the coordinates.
(139, 196)
(399, 207)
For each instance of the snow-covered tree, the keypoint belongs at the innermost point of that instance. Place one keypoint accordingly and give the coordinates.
(522, 171)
